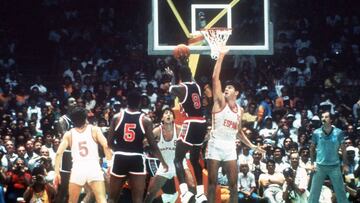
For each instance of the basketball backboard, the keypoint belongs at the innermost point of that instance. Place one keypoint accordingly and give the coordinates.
(176, 21)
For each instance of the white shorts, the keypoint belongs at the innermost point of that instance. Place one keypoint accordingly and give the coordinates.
(221, 151)
(171, 172)
(85, 173)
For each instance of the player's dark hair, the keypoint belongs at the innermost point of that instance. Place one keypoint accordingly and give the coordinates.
(133, 99)
(168, 109)
(233, 83)
(78, 116)
(185, 74)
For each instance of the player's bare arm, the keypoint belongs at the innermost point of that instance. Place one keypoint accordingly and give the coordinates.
(178, 129)
(100, 138)
(178, 91)
(148, 126)
(156, 133)
(218, 97)
(175, 89)
(61, 127)
(58, 157)
(112, 127)
(242, 137)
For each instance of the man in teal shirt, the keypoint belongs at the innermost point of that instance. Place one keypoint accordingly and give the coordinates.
(326, 142)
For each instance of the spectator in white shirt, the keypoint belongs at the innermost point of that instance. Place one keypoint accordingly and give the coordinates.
(296, 182)
(246, 185)
(245, 156)
(272, 182)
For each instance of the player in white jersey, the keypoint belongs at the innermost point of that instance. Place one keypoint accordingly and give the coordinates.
(225, 130)
(83, 139)
(166, 135)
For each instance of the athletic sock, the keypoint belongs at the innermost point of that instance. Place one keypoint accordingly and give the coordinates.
(199, 189)
(183, 188)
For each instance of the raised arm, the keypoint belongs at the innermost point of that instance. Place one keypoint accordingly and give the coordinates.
(178, 91)
(174, 89)
(219, 99)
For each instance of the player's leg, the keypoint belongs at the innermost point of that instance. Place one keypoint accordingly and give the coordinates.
(98, 189)
(180, 151)
(74, 192)
(62, 195)
(195, 162)
(194, 159)
(89, 195)
(213, 167)
(137, 184)
(196, 134)
(170, 194)
(190, 181)
(116, 184)
(154, 186)
(232, 176)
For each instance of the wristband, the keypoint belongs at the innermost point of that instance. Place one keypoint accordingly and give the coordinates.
(109, 163)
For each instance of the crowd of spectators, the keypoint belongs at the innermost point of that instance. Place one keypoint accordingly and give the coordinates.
(101, 53)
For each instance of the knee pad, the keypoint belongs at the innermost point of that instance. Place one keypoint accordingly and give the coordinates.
(171, 198)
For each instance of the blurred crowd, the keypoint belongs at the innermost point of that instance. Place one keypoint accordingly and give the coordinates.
(101, 53)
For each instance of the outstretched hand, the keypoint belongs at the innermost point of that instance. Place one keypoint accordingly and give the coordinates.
(259, 149)
(168, 71)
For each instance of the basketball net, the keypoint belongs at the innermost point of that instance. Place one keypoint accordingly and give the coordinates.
(216, 38)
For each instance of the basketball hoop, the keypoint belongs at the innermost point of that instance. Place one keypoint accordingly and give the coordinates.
(216, 37)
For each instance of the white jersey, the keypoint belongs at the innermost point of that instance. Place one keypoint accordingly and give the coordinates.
(83, 147)
(167, 148)
(225, 124)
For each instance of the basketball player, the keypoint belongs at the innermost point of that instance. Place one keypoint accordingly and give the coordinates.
(192, 132)
(226, 127)
(166, 135)
(83, 140)
(126, 134)
(64, 124)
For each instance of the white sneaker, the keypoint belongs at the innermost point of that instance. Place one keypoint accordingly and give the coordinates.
(185, 198)
(201, 198)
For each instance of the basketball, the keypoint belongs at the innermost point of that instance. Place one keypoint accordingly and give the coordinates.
(181, 51)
